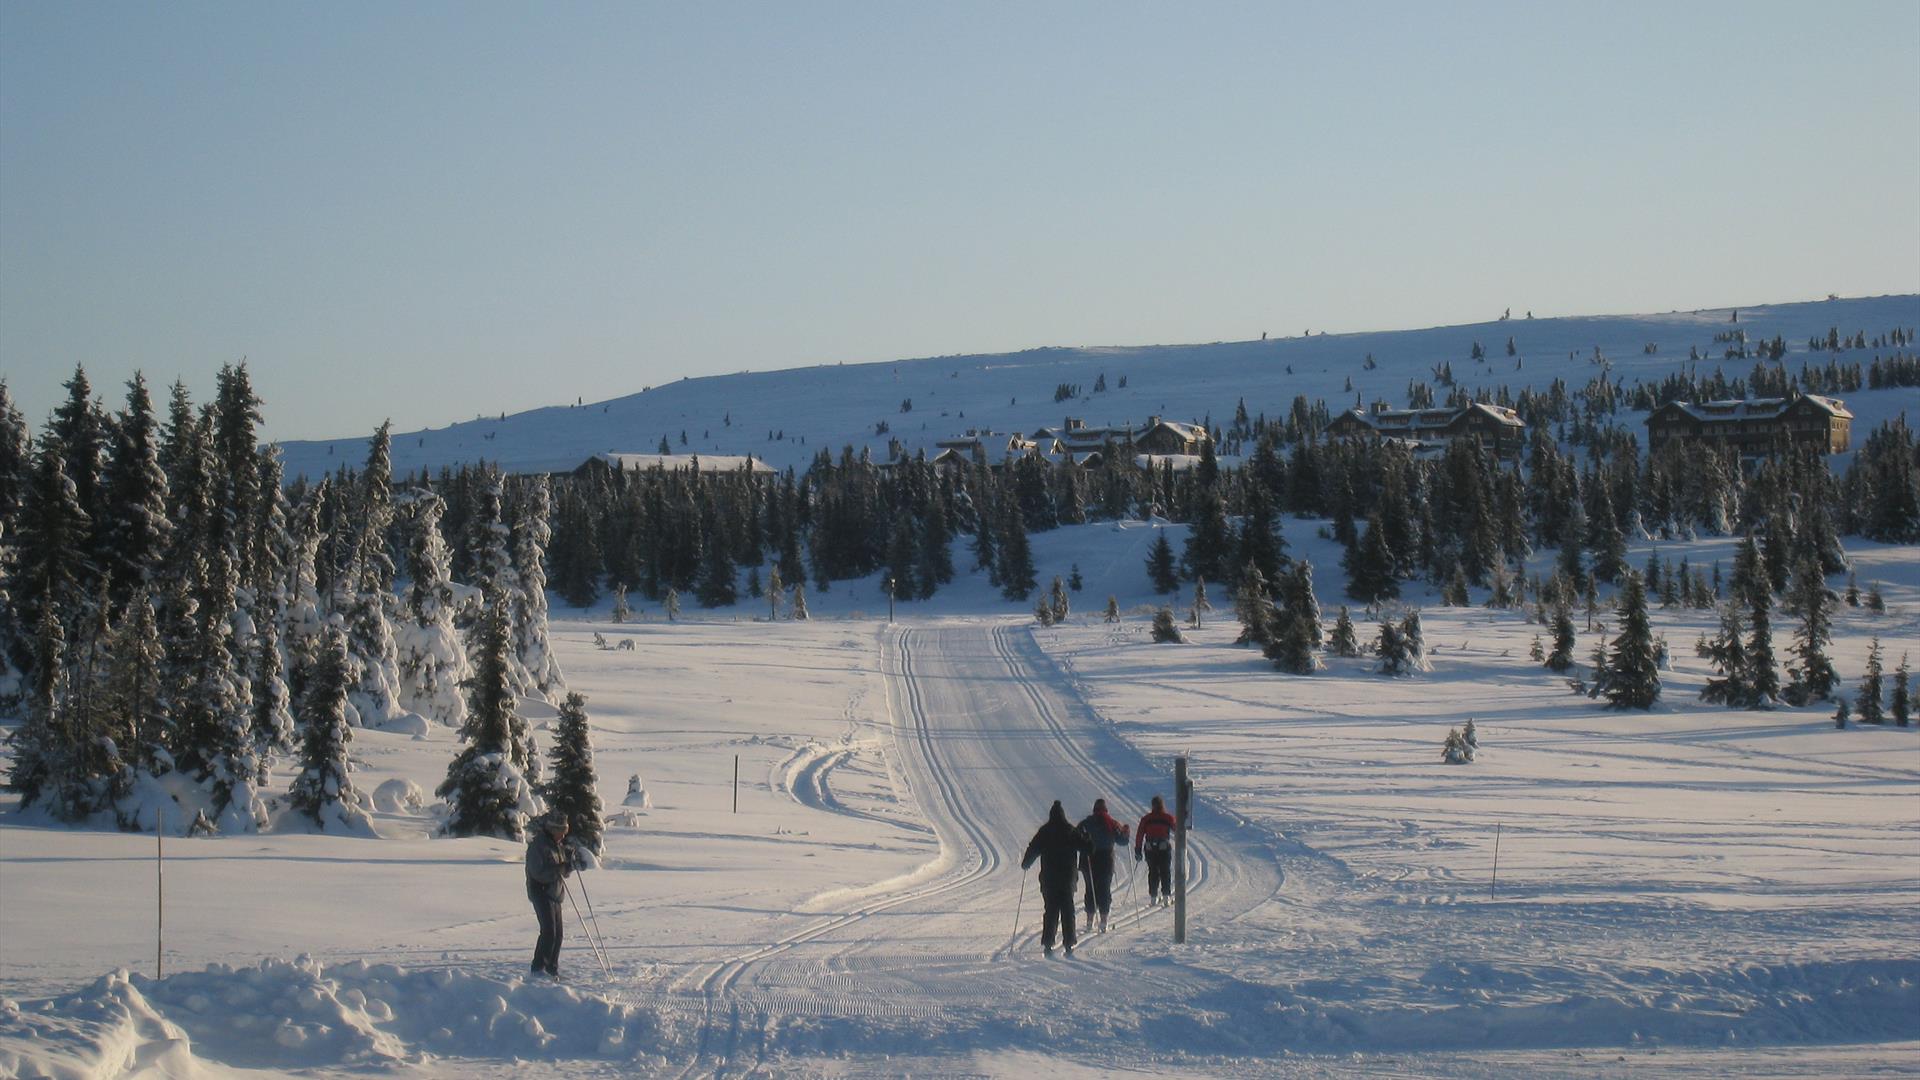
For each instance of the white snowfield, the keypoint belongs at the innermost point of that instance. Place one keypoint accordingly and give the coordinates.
(1693, 891)
(784, 418)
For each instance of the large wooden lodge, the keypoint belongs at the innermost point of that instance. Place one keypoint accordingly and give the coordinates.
(1754, 426)
(1498, 428)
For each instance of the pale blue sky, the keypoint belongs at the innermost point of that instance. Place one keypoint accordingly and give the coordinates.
(428, 211)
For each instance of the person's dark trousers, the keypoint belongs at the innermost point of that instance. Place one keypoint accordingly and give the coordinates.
(1099, 897)
(1059, 903)
(1159, 873)
(546, 953)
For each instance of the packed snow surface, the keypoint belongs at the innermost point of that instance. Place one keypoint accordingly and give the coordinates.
(1696, 890)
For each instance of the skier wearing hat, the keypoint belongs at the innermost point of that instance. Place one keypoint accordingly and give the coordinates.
(1104, 832)
(548, 865)
(1059, 846)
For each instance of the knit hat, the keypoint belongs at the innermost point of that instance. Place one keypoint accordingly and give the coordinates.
(1099, 806)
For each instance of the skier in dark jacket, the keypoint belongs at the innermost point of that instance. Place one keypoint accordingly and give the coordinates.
(548, 864)
(1058, 846)
(1155, 837)
(1104, 832)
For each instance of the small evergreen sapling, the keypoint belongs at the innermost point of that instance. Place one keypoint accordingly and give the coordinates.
(1201, 604)
(1113, 609)
(673, 605)
(1057, 600)
(1390, 645)
(1165, 629)
(1043, 612)
(1560, 657)
(1900, 706)
(571, 791)
(1633, 673)
(1343, 643)
(1866, 699)
(1470, 735)
(1456, 750)
(1160, 565)
(621, 612)
(487, 786)
(800, 601)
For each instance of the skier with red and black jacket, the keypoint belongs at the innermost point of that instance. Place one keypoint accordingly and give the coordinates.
(1059, 846)
(1155, 838)
(1104, 832)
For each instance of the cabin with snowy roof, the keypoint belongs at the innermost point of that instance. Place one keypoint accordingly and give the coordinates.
(1755, 426)
(1498, 428)
(604, 465)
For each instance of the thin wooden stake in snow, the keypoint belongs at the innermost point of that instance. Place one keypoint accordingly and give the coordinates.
(736, 783)
(159, 891)
(1494, 886)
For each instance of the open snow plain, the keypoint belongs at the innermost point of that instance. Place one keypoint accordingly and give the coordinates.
(1694, 891)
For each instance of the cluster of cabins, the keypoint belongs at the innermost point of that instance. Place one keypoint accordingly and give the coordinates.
(1752, 427)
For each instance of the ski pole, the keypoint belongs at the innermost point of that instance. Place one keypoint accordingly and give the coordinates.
(1011, 938)
(582, 919)
(599, 938)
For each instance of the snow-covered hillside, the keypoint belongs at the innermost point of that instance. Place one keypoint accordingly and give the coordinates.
(840, 405)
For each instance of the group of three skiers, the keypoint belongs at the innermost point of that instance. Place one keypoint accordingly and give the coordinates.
(1066, 850)
(1063, 850)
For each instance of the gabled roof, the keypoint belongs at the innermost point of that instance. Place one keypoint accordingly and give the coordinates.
(1409, 420)
(1735, 409)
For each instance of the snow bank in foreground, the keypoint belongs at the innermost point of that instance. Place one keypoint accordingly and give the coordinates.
(295, 1014)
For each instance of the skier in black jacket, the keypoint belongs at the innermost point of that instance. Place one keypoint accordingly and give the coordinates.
(548, 865)
(1059, 847)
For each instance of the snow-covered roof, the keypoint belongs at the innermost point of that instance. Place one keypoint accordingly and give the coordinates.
(1410, 420)
(671, 462)
(1731, 409)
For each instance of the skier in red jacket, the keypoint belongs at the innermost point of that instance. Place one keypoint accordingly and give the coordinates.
(1155, 837)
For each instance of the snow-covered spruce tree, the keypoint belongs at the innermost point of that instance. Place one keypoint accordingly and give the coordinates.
(50, 566)
(366, 594)
(212, 705)
(530, 536)
(136, 529)
(1727, 651)
(1165, 629)
(673, 604)
(322, 791)
(1343, 642)
(1017, 579)
(1043, 612)
(1900, 704)
(1633, 676)
(1254, 608)
(487, 787)
(621, 612)
(1840, 715)
(1201, 605)
(1161, 569)
(799, 605)
(717, 586)
(136, 687)
(1370, 566)
(265, 600)
(1057, 600)
(433, 660)
(1455, 751)
(1391, 647)
(571, 789)
(776, 593)
(1113, 609)
(1414, 634)
(1751, 586)
(1560, 657)
(1866, 698)
(1813, 677)
(1455, 593)
(41, 762)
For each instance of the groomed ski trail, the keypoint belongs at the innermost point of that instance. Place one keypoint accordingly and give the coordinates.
(987, 733)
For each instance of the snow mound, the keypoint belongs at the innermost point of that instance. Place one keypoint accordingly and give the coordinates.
(407, 723)
(399, 796)
(289, 1015)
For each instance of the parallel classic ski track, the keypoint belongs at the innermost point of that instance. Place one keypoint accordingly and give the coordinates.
(736, 999)
(980, 859)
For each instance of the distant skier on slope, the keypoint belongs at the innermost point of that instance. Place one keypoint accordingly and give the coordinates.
(1155, 837)
(1103, 831)
(1058, 845)
(548, 865)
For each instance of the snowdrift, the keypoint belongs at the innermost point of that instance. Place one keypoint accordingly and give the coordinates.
(300, 1015)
